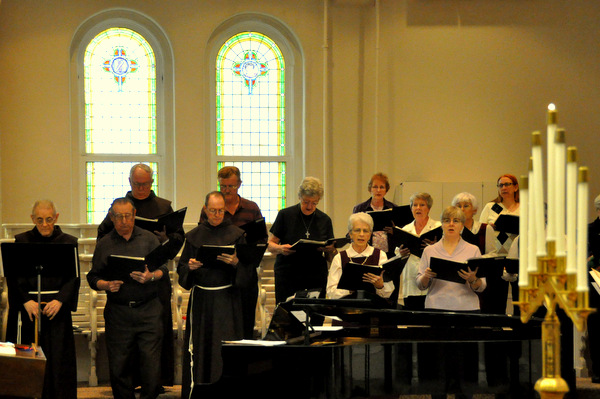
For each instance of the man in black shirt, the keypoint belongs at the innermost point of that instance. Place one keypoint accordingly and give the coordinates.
(133, 312)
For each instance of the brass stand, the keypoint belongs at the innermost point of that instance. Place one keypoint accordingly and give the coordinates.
(552, 287)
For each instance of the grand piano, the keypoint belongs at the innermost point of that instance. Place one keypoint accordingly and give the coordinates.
(372, 353)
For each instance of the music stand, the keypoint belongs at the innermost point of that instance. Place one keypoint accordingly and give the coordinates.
(37, 260)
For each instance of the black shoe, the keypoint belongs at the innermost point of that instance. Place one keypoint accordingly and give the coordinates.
(161, 390)
(596, 380)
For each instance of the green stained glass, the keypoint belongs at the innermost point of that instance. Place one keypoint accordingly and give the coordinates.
(250, 97)
(120, 94)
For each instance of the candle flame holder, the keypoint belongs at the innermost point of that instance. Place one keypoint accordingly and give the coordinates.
(552, 284)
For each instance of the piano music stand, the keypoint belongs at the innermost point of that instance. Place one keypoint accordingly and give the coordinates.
(37, 260)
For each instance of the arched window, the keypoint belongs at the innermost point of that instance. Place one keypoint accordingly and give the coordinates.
(120, 64)
(251, 126)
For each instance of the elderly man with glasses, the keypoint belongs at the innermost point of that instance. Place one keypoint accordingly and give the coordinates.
(133, 312)
(59, 299)
(149, 205)
(215, 306)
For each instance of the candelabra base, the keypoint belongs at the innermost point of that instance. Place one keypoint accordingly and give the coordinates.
(551, 388)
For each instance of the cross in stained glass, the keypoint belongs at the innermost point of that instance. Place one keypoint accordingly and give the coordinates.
(250, 69)
(120, 66)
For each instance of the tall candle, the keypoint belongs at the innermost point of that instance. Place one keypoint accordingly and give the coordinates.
(559, 186)
(582, 229)
(523, 233)
(571, 210)
(531, 244)
(538, 193)
(551, 152)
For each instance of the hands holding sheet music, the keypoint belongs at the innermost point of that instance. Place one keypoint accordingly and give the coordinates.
(376, 280)
(230, 259)
(145, 276)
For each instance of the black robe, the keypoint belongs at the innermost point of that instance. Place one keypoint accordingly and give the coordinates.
(56, 338)
(213, 315)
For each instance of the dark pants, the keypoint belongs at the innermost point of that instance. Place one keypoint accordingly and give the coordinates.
(131, 330)
(249, 297)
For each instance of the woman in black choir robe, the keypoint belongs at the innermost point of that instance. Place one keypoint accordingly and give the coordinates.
(304, 270)
(56, 337)
(215, 306)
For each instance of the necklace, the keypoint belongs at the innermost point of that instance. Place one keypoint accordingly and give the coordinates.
(307, 234)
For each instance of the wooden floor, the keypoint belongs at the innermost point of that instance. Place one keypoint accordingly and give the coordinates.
(585, 390)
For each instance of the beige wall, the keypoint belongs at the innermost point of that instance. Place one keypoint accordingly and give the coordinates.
(452, 94)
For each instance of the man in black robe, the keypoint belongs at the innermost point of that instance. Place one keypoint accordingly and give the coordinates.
(241, 211)
(149, 205)
(56, 337)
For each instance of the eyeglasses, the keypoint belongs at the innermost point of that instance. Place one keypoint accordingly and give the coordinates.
(307, 203)
(41, 221)
(448, 220)
(500, 185)
(213, 211)
(228, 186)
(142, 185)
(123, 216)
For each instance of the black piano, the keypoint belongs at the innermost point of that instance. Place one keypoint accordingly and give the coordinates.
(372, 353)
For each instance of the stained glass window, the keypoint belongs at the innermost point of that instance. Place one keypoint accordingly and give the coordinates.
(250, 117)
(119, 73)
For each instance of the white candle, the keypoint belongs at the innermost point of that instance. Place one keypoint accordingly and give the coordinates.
(523, 233)
(559, 186)
(531, 252)
(582, 229)
(538, 193)
(551, 177)
(571, 210)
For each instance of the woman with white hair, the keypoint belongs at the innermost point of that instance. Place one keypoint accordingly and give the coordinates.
(303, 270)
(474, 231)
(360, 228)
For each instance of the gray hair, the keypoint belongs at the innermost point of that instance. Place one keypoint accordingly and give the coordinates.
(423, 196)
(45, 203)
(310, 187)
(121, 201)
(465, 197)
(141, 166)
(360, 217)
(597, 203)
(452, 212)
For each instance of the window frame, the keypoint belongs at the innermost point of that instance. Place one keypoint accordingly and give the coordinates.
(164, 156)
(294, 100)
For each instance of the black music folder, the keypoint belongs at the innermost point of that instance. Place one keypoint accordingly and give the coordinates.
(172, 221)
(486, 266)
(119, 267)
(207, 254)
(250, 254)
(339, 242)
(448, 269)
(352, 275)
(415, 243)
(304, 245)
(507, 223)
(256, 230)
(21, 259)
(397, 216)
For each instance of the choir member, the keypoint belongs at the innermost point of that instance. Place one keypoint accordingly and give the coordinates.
(378, 186)
(215, 305)
(457, 361)
(301, 270)
(360, 226)
(58, 301)
(411, 296)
